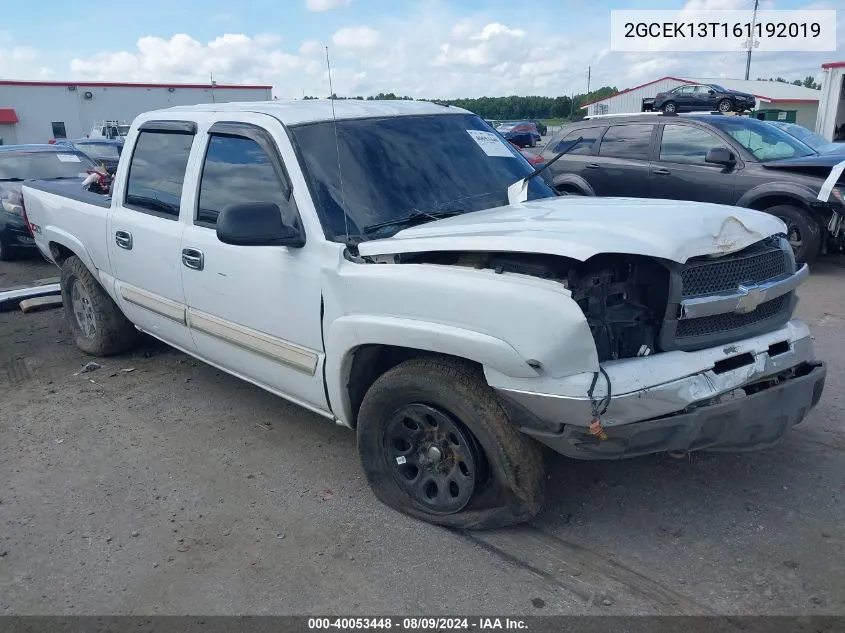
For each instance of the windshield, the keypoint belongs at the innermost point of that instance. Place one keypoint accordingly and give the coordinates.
(818, 143)
(393, 167)
(764, 141)
(718, 88)
(43, 165)
(107, 151)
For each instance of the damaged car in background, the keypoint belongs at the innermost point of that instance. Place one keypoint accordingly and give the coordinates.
(397, 267)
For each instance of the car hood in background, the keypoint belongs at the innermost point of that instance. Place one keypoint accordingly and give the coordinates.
(580, 227)
(816, 160)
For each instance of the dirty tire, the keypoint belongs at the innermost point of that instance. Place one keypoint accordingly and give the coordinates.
(669, 107)
(725, 105)
(804, 233)
(113, 333)
(512, 487)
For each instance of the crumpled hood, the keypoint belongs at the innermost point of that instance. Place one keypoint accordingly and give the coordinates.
(580, 227)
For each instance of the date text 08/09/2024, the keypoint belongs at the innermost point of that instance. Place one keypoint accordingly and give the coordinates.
(417, 623)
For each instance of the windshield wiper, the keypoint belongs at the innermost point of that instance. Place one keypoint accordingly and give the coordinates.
(413, 217)
(518, 191)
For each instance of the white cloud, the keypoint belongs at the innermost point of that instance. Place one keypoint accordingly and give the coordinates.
(431, 51)
(356, 37)
(326, 5)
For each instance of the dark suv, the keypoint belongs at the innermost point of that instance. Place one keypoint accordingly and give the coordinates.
(724, 159)
(695, 97)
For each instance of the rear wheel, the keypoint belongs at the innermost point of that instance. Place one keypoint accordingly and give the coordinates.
(669, 107)
(99, 327)
(802, 230)
(436, 444)
(724, 105)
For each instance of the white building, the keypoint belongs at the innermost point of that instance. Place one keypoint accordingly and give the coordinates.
(832, 105)
(38, 111)
(770, 95)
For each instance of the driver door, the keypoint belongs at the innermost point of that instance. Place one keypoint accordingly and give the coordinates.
(254, 310)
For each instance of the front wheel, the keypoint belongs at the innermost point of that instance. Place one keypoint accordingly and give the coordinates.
(436, 444)
(669, 108)
(802, 230)
(724, 106)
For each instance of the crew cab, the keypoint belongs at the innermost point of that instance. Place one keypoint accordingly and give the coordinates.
(397, 268)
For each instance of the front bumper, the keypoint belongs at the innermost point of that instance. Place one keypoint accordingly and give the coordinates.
(742, 396)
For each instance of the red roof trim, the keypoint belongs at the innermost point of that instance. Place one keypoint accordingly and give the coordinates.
(8, 116)
(622, 92)
(834, 65)
(107, 84)
(792, 100)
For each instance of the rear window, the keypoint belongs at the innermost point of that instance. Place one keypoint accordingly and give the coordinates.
(101, 150)
(627, 141)
(43, 165)
(157, 172)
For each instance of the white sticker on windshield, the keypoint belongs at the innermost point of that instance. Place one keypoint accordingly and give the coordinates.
(68, 158)
(490, 143)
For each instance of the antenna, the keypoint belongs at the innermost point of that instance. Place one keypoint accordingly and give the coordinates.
(337, 148)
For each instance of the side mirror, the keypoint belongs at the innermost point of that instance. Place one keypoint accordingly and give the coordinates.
(711, 92)
(720, 156)
(257, 224)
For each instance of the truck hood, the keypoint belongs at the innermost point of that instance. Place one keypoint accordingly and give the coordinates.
(580, 227)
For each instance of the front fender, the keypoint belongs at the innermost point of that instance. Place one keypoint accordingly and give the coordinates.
(347, 334)
(802, 194)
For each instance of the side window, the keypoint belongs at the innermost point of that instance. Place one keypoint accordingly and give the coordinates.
(686, 144)
(238, 170)
(627, 141)
(58, 129)
(589, 138)
(157, 173)
(686, 89)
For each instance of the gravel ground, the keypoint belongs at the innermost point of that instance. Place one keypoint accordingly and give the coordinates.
(174, 488)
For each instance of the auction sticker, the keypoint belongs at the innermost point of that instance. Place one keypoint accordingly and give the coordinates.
(491, 144)
(68, 158)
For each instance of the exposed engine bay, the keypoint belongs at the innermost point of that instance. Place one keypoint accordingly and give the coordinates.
(622, 296)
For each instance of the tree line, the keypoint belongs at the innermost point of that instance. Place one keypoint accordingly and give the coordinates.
(512, 107)
(808, 81)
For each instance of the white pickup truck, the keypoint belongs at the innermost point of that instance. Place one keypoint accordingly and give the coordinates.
(389, 266)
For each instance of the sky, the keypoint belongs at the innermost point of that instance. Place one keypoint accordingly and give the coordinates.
(420, 48)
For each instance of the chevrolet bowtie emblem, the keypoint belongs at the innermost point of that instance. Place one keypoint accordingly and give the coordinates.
(752, 297)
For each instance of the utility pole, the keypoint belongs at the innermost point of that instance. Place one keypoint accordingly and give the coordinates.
(589, 73)
(751, 40)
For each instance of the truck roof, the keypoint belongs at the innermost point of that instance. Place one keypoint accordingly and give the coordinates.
(313, 110)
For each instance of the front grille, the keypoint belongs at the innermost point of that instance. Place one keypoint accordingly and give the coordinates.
(720, 275)
(727, 323)
(761, 262)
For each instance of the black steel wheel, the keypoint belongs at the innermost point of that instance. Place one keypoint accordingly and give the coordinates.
(432, 457)
(436, 444)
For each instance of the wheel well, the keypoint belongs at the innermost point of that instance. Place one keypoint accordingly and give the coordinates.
(767, 202)
(60, 252)
(371, 361)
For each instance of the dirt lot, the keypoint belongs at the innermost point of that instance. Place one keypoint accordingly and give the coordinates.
(175, 488)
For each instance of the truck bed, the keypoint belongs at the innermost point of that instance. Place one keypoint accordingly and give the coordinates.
(70, 189)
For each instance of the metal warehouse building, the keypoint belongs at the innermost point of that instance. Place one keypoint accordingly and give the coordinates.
(770, 94)
(38, 111)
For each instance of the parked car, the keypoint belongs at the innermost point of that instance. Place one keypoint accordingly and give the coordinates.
(521, 133)
(388, 266)
(23, 162)
(818, 143)
(717, 158)
(697, 97)
(541, 127)
(532, 157)
(103, 151)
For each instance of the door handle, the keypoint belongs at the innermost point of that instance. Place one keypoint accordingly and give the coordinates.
(592, 166)
(661, 171)
(123, 239)
(193, 258)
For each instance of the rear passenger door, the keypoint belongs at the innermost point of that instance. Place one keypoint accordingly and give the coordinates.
(621, 167)
(680, 173)
(145, 232)
(254, 310)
